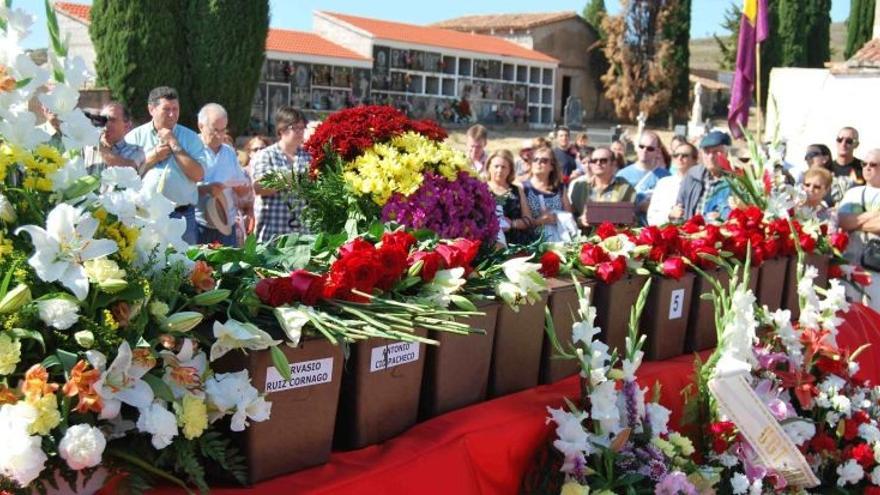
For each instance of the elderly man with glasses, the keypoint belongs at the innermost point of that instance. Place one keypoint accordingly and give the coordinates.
(600, 186)
(703, 189)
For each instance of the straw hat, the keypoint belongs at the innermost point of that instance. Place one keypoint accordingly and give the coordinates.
(215, 214)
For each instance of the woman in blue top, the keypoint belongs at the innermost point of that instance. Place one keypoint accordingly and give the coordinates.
(544, 190)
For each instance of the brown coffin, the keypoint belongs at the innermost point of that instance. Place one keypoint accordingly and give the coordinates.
(617, 212)
(516, 355)
(791, 301)
(665, 317)
(457, 371)
(563, 305)
(380, 397)
(771, 283)
(613, 303)
(303, 418)
(701, 332)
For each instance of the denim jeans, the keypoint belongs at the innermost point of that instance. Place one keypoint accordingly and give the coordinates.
(207, 235)
(191, 235)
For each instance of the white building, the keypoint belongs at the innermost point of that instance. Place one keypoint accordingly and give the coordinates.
(428, 71)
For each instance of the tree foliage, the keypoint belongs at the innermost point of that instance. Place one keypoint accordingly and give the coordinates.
(641, 71)
(209, 50)
(678, 32)
(595, 12)
(727, 43)
(227, 44)
(139, 45)
(860, 26)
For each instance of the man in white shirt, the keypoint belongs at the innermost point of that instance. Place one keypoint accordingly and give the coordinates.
(224, 179)
(684, 156)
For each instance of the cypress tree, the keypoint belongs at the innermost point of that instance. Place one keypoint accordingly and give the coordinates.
(594, 13)
(140, 45)
(860, 26)
(818, 31)
(227, 44)
(678, 31)
(791, 33)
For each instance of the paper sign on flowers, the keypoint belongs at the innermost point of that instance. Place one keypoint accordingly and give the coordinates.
(740, 404)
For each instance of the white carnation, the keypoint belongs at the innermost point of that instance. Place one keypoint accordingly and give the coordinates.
(739, 484)
(875, 476)
(159, 422)
(849, 473)
(58, 313)
(869, 432)
(799, 431)
(21, 458)
(842, 404)
(82, 446)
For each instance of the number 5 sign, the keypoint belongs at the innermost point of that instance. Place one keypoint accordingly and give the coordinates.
(676, 304)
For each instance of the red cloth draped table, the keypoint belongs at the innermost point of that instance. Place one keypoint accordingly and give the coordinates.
(484, 449)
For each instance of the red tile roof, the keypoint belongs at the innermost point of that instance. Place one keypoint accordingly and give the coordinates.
(441, 38)
(278, 40)
(283, 40)
(75, 10)
(488, 22)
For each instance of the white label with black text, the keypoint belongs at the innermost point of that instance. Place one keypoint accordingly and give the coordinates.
(391, 355)
(302, 374)
(676, 304)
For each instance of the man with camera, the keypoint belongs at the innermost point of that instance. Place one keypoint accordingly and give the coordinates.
(175, 157)
(112, 149)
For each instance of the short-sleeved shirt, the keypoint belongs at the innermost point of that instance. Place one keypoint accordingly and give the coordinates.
(95, 162)
(843, 179)
(584, 190)
(858, 200)
(280, 213)
(663, 199)
(223, 167)
(643, 181)
(174, 184)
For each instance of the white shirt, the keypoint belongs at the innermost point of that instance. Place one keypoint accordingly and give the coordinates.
(222, 167)
(852, 203)
(663, 199)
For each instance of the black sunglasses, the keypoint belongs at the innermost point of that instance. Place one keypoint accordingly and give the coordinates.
(848, 141)
(814, 154)
(647, 148)
(542, 159)
(683, 155)
(600, 160)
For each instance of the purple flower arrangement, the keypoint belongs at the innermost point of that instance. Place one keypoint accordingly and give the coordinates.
(464, 208)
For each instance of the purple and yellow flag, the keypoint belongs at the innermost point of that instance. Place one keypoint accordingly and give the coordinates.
(754, 28)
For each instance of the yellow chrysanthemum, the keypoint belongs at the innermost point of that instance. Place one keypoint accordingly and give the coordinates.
(109, 320)
(48, 416)
(193, 416)
(100, 215)
(10, 354)
(5, 246)
(50, 154)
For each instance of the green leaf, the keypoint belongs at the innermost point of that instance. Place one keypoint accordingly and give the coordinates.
(7, 278)
(280, 361)
(68, 359)
(51, 361)
(160, 388)
(23, 333)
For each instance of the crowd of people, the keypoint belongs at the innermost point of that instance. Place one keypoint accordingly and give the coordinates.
(542, 191)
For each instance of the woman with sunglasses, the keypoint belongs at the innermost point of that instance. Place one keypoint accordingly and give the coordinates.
(601, 186)
(544, 190)
(817, 183)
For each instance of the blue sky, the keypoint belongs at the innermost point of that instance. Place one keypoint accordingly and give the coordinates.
(297, 14)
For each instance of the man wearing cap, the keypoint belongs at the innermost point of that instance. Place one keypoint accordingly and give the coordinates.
(704, 190)
(175, 157)
(224, 178)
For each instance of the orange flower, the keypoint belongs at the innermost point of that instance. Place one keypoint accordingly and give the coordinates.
(36, 383)
(7, 82)
(7, 396)
(201, 277)
(81, 383)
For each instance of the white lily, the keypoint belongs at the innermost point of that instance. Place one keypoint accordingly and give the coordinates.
(237, 335)
(445, 284)
(524, 282)
(24, 68)
(77, 131)
(63, 246)
(122, 381)
(121, 177)
(76, 73)
(7, 211)
(292, 321)
(185, 370)
(232, 393)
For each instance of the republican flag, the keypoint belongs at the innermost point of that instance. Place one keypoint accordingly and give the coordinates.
(753, 29)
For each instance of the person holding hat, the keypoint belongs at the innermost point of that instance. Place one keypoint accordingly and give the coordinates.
(224, 180)
(524, 161)
(704, 190)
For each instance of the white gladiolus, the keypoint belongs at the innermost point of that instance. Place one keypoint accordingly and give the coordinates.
(232, 393)
(572, 440)
(82, 446)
